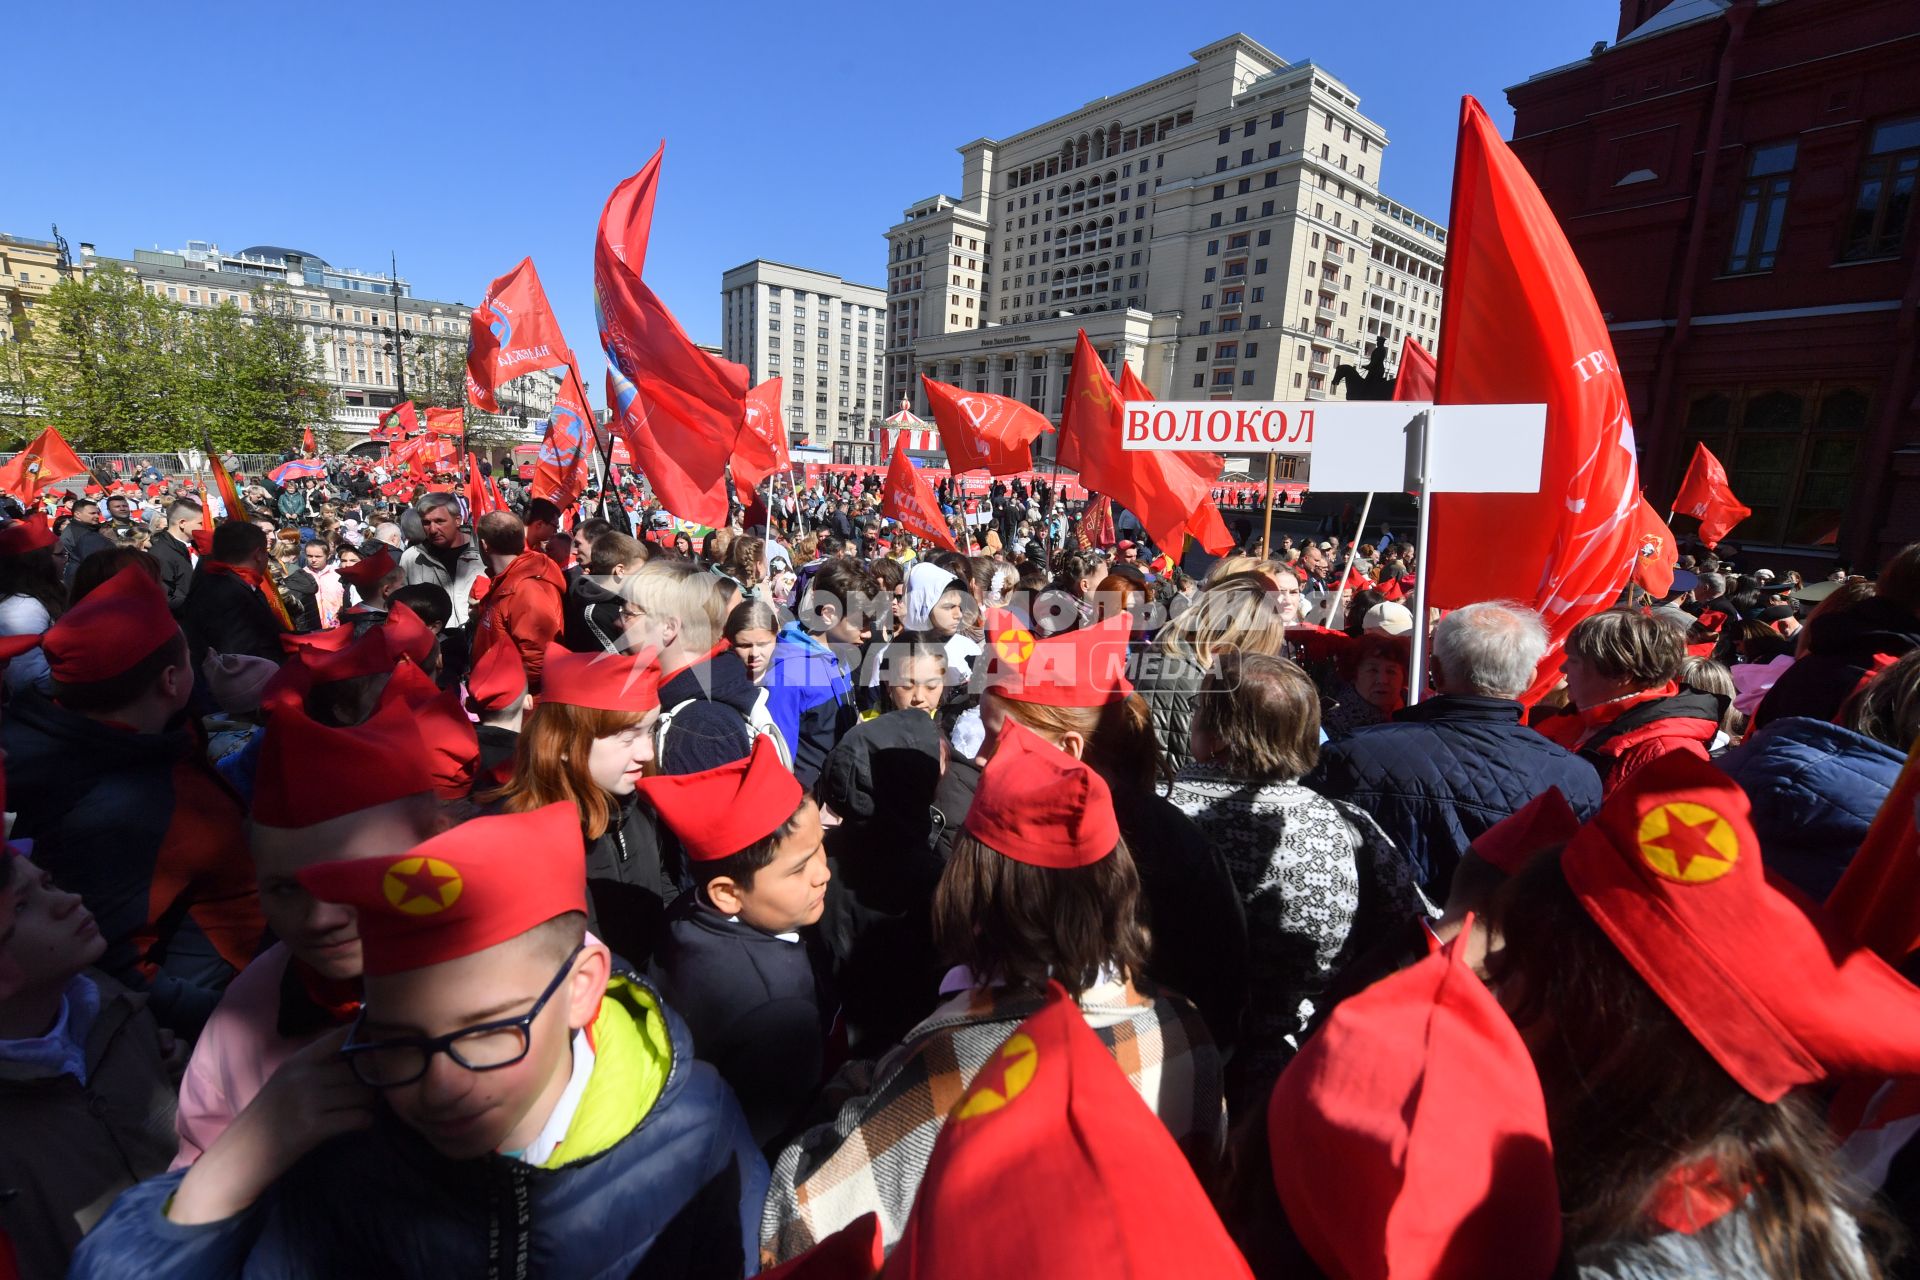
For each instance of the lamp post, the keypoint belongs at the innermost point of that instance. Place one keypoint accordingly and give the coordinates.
(396, 338)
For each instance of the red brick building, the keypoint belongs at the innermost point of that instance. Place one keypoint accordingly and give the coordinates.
(1737, 178)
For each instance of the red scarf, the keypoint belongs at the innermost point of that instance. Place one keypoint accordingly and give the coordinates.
(339, 998)
(1692, 1197)
(258, 581)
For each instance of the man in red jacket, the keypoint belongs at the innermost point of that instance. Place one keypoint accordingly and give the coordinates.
(524, 605)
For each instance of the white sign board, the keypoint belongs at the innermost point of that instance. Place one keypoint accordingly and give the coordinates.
(1360, 445)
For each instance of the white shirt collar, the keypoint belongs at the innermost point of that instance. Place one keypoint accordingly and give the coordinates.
(554, 1131)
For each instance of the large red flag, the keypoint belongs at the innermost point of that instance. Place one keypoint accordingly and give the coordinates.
(513, 331)
(1204, 521)
(762, 447)
(47, 459)
(1417, 375)
(679, 409)
(1520, 326)
(1706, 495)
(909, 499)
(396, 424)
(447, 422)
(1165, 490)
(983, 430)
(561, 472)
(1658, 553)
(307, 446)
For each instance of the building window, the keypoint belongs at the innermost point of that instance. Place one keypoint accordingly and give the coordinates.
(1259, 266)
(1885, 195)
(1199, 353)
(1223, 377)
(1253, 349)
(1213, 247)
(1763, 207)
(1206, 302)
(1199, 380)
(1246, 377)
(1246, 157)
(1790, 452)
(1208, 278)
(1274, 122)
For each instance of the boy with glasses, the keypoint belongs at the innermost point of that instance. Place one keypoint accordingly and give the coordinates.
(504, 1105)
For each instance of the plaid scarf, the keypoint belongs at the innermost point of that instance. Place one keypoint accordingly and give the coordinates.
(872, 1155)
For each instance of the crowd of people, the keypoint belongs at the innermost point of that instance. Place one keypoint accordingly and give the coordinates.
(392, 888)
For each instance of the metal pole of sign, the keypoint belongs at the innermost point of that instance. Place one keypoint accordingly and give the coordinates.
(1339, 612)
(1417, 676)
(1266, 527)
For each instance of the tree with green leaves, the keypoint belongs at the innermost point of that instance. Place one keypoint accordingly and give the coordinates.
(121, 370)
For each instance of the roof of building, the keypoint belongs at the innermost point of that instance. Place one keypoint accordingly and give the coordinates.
(1679, 14)
(276, 253)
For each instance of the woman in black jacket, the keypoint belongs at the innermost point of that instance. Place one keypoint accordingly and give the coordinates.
(588, 742)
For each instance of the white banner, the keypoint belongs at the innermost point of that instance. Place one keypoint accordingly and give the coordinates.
(1359, 445)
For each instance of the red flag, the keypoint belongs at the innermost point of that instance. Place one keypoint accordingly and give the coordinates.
(1520, 326)
(307, 446)
(983, 430)
(447, 422)
(1418, 373)
(679, 409)
(561, 472)
(909, 499)
(1204, 521)
(47, 459)
(513, 331)
(1163, 489)
(1096, 523)
(396, 424)
(1658, 553)
(1706, 495)
(479, 500)
(762, 447)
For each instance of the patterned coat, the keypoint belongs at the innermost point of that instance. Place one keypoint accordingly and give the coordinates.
(872, 1155)
(1321, 883)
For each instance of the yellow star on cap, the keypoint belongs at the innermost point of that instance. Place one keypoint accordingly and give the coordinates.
(422, 886)
(1004, 1077)
(1014, 646)
(1687, 842)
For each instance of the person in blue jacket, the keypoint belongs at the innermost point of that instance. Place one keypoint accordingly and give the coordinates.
(1816, 787)
(503, 1106)
(739, 961)
(809, 686)
(1442, 772)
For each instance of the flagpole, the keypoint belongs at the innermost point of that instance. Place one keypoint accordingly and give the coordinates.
(1266, 527)
(1417, 675)
(1339, 612)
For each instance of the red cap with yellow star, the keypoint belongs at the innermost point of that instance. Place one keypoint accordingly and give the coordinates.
(465, 890)
(1051, 1165)
(1083, 668)
(452, 743)
(1670, 870)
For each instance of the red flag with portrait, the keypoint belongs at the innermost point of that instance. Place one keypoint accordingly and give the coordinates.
(1658, 553)
(909, 499)
(396, 424)
(983, 430)
(513, 331)
(1706, 495)
(1520, 326)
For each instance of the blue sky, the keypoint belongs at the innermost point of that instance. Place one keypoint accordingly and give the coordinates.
(796, 132)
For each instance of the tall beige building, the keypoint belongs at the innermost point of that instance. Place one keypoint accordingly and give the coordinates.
(1214, 228)
(1403, 280)
(824, 336)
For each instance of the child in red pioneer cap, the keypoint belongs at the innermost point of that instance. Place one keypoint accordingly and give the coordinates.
(503, 1105)
(735, 963)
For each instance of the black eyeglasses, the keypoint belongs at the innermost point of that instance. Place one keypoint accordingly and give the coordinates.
(489, 1046)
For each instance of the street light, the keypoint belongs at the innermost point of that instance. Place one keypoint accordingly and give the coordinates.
(396, 339)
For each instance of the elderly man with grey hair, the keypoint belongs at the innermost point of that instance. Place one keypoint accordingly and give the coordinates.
(1444, 770)
(449, 559)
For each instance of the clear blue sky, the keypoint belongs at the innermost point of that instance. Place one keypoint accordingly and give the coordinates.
(796, 132)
